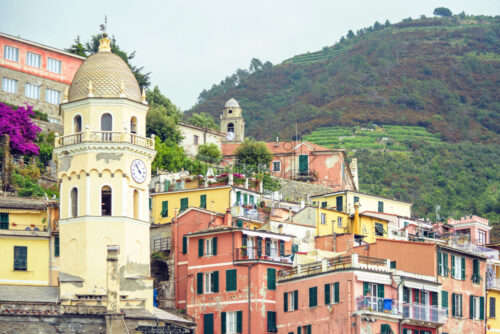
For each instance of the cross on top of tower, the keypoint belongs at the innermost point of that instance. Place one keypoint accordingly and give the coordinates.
(103, 27)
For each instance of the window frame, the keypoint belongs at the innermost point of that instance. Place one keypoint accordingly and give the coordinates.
(323, 218)
(4, 222)
(277, 163)
(13, 48)
(20, 258)
(52, 93)
(29, 87)
(33, 55)
(492, 310)
(377, 227)
(50, 65)
(12, 82)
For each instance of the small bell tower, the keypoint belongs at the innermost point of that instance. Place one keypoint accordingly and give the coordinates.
(232, 122)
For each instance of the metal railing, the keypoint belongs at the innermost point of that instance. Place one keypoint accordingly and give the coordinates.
(377, 304)
(297, 174)
(257, 253)
(104, 137)
(493, 283)
(162, 244)
(422, 312)
(240, 211)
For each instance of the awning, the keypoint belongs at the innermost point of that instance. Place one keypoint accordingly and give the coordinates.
(266, 235)
(421, 286)
(374, 278)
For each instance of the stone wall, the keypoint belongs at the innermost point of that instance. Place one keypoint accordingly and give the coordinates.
(296, 190)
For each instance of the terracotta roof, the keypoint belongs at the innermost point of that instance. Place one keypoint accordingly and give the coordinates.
(281, 147)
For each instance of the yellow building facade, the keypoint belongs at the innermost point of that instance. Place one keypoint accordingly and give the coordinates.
(493, 296)
(104, 162)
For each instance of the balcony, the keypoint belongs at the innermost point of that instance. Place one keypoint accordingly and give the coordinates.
(162, 245)
(418, 313)
(254, 214)
(104, 137)
(252, 254)
(493, 283)
(303, 175)
(369, 304)
(336, 263)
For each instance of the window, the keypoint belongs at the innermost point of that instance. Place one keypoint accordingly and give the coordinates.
(195, 139)
(208, 324)
(164, 209)
(324, 204)
(379, 230)
(184, 204)
(332, 293)
(481, 237)
(386, 329)
(11, 53)
(304, 329)
(492, 307)
(184, 245)
(442, 264)
(230, 127)
(33, 59)
(20, 258)
(476, 306)
(313, 296)
(133, 125)
(406, 224)
(393, 264)
(356, 199)
(231, 280)
(380, 206)
(107, 123)
(210, 246)
(203, 201)
(74, 202)
(456, 305)
(54, 65)
(53, 96)
(251, 199)
(476, 277)
(32, 91)
(9, 85)
(56, 246)
(291, 301)
(271, 279)
(339, 202)
(271, 322)
(339, 221)
(458, 267)
(276, 166)
(4, 221)
(323, 218)
(444, 301)
(232, 322)
(211, 282)
(106, 201)
(77, 124)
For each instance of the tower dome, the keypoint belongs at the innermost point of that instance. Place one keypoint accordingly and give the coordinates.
(232, 103)
(104, 74)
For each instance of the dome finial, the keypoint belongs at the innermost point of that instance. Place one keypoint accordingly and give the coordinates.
(144, 96)
(104, 42)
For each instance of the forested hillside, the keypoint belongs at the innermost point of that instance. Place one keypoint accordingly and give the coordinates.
(430, 84)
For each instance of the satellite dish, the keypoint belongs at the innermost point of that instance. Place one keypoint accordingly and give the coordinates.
(230, 136)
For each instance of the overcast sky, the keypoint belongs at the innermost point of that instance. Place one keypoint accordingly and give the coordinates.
(190, 45)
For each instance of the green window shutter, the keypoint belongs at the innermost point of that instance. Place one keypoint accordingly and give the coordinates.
(245, 198)
(203, 201)
(380, 206)
(56, 246)
(184, 245)
(445, 262)
(405, 331)
(268, 247)
(336, 299)
(383, 329)
(453, 304)
(252, 201)
(327, 294)
(285, 302)
(150, 203)
(493, 307)
(296, 300)
(313, 296)
(271, 279)
(239, 223)
(481, 308)
(444, 299)
(406, 294)
(214, 246)
(239, 322)
(452, 265)
(299, 330)
(282, 248)
(440, 263)
(380, 291)
(200, 247)
(208, 324)
(164, 209)
(166, 185)
(471, 306)
(366, 288)
(223, 322)
(199, 283)
(231, 280)
(238, 197)
(20, 258)
(308, 329)
(434, 298)
(215, 281)
(340, 203)
(184, 204)
(463, 268)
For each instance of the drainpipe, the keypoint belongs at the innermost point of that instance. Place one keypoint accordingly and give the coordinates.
(49, 223)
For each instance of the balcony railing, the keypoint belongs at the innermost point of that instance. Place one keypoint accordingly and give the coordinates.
(303, 175)
(493, 283)
(104, 137)
(422, 312)
(241, 211)
(259, 254)
(377, 304)
(162, 244)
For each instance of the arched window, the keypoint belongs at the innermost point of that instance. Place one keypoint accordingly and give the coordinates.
(74, 202)
(230, 127)
(133, 125)
(106, 125)
(136, 204)
(106, 201)
(77, 124)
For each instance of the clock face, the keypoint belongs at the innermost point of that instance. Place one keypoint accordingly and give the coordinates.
(138, 170)
(230, 136)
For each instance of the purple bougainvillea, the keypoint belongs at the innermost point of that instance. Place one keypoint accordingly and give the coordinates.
(19, 126)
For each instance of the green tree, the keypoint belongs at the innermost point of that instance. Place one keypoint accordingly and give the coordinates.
(203, 120)
(350, 34)
(77, 48)
(162, 117)
(169, 156)
(209, 152)
(442, 11)
(252, 155)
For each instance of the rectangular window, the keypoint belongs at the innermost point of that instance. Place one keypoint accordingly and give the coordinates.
(11, 53)
(393, 264)
(209, 246)
(164, 209)
(356, 199)
(56, 246)
(276, 166)
(339, 221)
(456, 307)
(444, 301)
(231, 282)
(54, 65)
(340, 203)
(476, 307)
(231, 320)
(476, 277)
(332, 293)
(53, 96)
(380, 206)
(324, 204)
(9, 85)
(271, 279)
(195, 139)
(379, 230)
(313, 296)
(211, 282)
(20, 258)
(33, 59)
(271, 322)
(203, 201)
(251, 199)
(184, 204)
(32, 91)
(323, 218)
(291, 301)
(4, 221)
(458, 267)
(481, 237)
(184, 245)
(493, 307)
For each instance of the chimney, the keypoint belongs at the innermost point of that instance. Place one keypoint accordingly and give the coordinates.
(354, 171)
(113, 284)
(277, 143)
(228, 219)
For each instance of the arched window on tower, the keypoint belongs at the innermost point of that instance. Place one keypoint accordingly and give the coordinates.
(106, 201)
(74, 202)
(106, 125)
(77, 124)
(133, 125)
(230, 127)
(136, 204)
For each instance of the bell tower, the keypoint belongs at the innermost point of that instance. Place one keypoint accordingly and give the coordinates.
(104, 161)
(232, 122)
